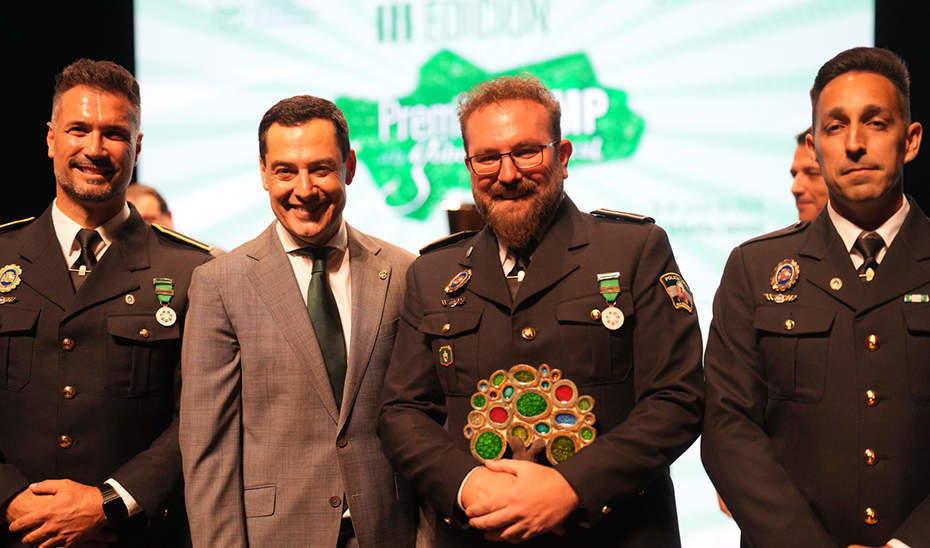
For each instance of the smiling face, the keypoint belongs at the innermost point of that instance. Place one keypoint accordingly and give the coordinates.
(862, 143)
(306, 177)
(94, 143)
(514, 201)
(810, 192)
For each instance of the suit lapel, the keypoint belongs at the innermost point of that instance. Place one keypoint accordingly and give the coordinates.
(273, 278)
(44, 268)
(369, 293)
(829, 260)
(484, 260)
(900, 271)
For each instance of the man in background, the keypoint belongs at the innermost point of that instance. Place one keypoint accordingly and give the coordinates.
(150, 204)
(808, 186)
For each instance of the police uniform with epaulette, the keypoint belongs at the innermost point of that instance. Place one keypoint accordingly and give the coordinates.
(644, 375)
(818, 386)
(89, 379)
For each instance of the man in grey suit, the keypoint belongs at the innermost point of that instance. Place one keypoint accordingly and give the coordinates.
(289, 337)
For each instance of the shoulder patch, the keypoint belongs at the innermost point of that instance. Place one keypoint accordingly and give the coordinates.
(447, 240)
(796, 227)
(182, 238)
(16, 224)
(615, 215)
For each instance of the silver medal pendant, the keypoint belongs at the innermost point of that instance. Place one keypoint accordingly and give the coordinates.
(612, 318)
(166, 316)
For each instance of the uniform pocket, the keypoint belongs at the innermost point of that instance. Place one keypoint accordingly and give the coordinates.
(142, 355)
(453, 336)
(917, 342)
(794, 345)
(258, 501)
(596, 353)
(17, 335)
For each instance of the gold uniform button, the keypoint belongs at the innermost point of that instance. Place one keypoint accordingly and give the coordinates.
(871, 342)
(67, 344)
(335, 502)
(871, 398)
(164, 513)
(447, 521)
(606, 510)
(870, 516)
(68, 392)
(446, 327)
(870, 457)
(595, 314)
(789, 324)
(65, 441)
(528, 333)
(144, 333)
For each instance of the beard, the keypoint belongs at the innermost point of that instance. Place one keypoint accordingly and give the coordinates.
(89, 192)
(516, 222)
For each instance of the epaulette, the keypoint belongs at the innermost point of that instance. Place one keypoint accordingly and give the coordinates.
(182, 238)
(450, 239)
(23, 222)
(791, 229)
(622, 216)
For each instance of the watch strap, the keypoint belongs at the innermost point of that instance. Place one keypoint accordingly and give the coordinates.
(113, 506)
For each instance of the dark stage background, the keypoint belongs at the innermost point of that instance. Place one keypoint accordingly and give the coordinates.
(44, 37)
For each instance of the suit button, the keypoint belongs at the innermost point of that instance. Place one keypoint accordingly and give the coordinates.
(870, 516)
(871, 342)
(528, 333)
(335, 502)
(342, 442)
(68, 392)
(595, 314)
(870, 457)
(789, 324)
(67, 344)
(871, 398)
(65, 441)
(606, 510)
(446, 327)
(144, 333)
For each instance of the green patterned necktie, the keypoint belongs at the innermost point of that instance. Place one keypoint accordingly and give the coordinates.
(324, 314)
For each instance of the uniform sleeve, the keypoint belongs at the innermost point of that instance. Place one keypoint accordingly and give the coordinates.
(916, 528)
(414, 410)
(736, 450)
(211, 424)
(12, 481)
(666, 418)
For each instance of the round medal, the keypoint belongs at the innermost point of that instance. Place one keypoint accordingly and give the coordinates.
(166, 316)
(612, 318)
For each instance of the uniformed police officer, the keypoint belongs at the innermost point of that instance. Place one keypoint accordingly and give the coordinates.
(553, 325)
(91, 308)
(817, 427)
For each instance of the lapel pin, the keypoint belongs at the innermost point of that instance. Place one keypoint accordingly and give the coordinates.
(130, 299)
(382, 275)
(779, 298)
(917, 298)
(836, 284)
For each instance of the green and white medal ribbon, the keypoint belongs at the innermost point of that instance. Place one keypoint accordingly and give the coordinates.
(164, 290)
(611, 317)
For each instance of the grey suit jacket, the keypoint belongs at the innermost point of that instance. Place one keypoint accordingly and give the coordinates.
(267, 456)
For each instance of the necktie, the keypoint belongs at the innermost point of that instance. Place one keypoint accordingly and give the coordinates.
(88, 240)
(868, 244)
(324, 315)
(517, 273)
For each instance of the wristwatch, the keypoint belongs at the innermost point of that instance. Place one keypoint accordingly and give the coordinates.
(113, 506)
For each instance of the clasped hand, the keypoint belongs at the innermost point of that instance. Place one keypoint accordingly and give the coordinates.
(56, 513)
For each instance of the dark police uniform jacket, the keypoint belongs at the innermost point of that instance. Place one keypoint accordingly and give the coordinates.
(88, 381)
(819, 408)
(645, 377)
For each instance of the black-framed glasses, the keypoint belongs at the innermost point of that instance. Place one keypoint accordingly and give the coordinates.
(524, 157)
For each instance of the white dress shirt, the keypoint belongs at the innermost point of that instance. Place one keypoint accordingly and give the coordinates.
(848, 231)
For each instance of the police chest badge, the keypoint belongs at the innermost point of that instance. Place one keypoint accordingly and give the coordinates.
(785, 275)
(678, 291)
(10, 277)
(454, 287)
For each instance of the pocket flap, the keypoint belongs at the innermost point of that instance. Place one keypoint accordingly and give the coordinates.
(918, 318)
(803, 320)
(14, 319)
(258, 501)
(140, 328)
(579, 310)
(450, 324)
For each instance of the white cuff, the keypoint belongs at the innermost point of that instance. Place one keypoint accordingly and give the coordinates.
(895, 543)
(458, 497)
(132, 507)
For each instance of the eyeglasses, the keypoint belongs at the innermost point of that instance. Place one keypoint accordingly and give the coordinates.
(524, 157)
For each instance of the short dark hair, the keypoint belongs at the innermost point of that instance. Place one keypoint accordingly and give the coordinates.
(865, 59)
(300, 109)
(138, 190)
(105, 75)
(524, 86)
(801, 138)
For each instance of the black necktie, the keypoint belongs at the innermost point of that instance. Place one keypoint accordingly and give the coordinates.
(868, 244)
(517, 273)
(88, 240)
(324, 314)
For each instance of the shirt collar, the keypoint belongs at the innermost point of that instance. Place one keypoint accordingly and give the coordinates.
(67, 228)
(339, 241)
(888, 230)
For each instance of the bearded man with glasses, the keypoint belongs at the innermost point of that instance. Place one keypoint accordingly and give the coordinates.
(543, 287)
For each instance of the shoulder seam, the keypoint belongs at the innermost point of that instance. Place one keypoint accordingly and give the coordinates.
(791, 229)
(182, 238)
(11, 224)
(615, 215)
(447, 240)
